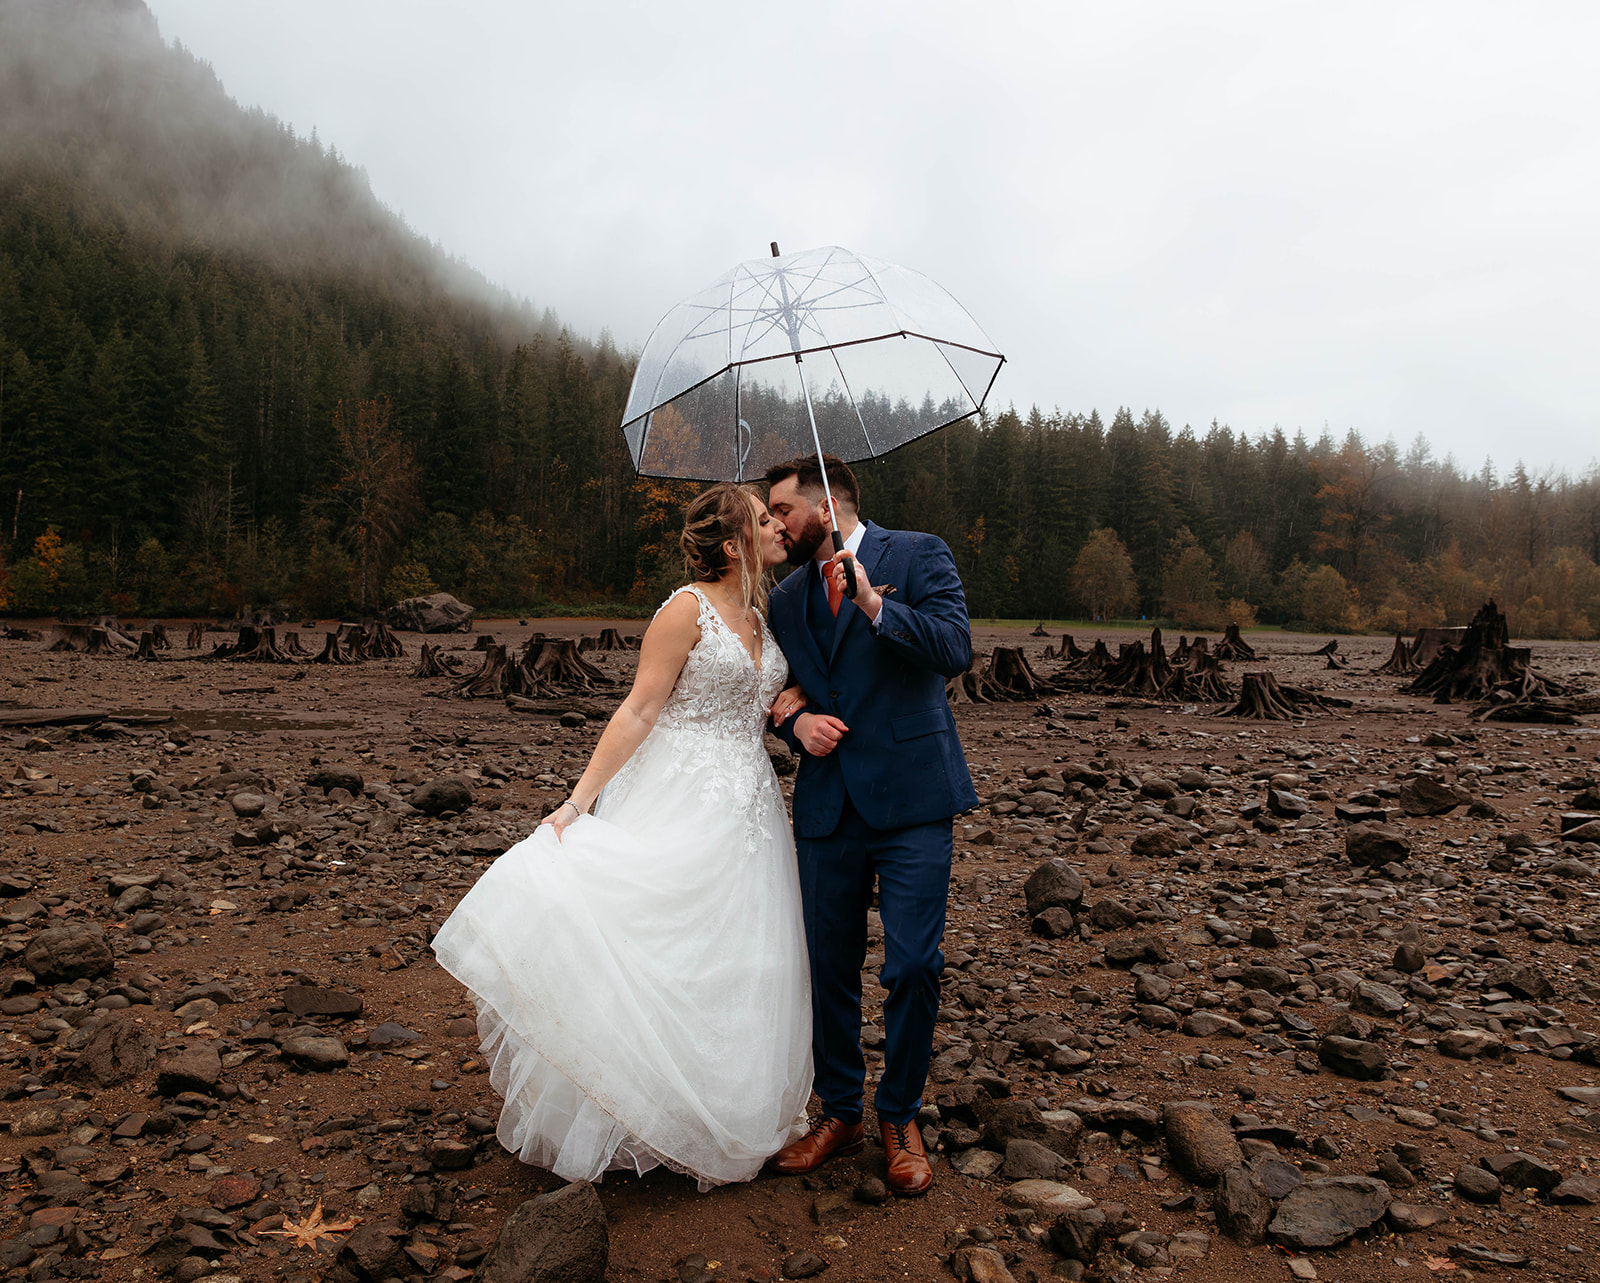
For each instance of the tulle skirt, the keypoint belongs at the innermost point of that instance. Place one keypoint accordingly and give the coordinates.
(641, 984)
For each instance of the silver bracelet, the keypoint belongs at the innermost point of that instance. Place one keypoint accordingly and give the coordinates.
(573, 805)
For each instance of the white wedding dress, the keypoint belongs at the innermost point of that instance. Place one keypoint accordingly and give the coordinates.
(641, 984)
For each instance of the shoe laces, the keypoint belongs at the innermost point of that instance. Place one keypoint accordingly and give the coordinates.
(902, 1135)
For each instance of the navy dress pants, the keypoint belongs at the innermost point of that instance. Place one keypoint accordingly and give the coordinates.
(912, 869)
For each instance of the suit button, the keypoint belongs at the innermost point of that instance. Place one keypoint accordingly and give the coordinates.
(833, 694)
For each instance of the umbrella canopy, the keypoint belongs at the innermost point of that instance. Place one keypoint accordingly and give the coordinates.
(886, 356)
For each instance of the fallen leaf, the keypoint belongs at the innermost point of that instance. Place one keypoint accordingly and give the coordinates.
(306, 1232)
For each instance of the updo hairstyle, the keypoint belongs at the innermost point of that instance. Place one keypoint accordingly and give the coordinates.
(717, 514)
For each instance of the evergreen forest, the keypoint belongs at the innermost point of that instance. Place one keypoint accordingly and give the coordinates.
(230, 378)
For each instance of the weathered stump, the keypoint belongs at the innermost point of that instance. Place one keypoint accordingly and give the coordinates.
(196, 637)
(490, 681)
(433, 662)
(1233, 646)
(1012, 677)
(1200, 678)
(1428, 642)
(1139, 671)
(1094, 660)
(972, 686)
(1400, 662)
(332, 652)
(294, 644)
(259, 646)
(551, 663)
(1262, 698)
(147, 647)
(1069, 650)
(160, 638)
(1040, 631)
(1483, 663)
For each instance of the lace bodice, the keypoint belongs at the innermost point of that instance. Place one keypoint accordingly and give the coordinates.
(708, 736)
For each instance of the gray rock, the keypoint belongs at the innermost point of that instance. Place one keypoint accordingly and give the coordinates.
(1522, 1171)
(1329, 1210)
(1377, 999)
(1521, 978)
(369, 1253)
(1136, 949)
(1028, 1160)
(1277, 1175)
(1241, 1205)
(1353, 1058)
(247, 805)
(1275, 980)
(316, 1053)
(1054, 924)
(1464, 1044)
(1077, 1235)
(1041, 1035)
(1286, 805)
(73, 952)
(975, 1264)
(1425, 796)
(1477, 1185)
(1374, 845)
(436, 613)
(1409, 959)
(118, 1050)
(1206, 1024)
(309, 1000)
(449, 793)
(328, 778)
(1580, 1190)
(1055, 884)
(192, 1069)
(1112, 915)
(389, 1034)
(1202, 1146)
(134, 899)
(40, 1120)
(1158, 842)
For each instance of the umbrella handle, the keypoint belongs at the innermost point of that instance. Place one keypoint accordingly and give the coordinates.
(849, 567)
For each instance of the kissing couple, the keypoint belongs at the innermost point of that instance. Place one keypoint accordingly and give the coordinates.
(664, 981)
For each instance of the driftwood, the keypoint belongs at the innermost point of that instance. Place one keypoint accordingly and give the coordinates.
(1261, 697)
(1400, 662)
(10, 632)
(196, 637)
(1040, 631)
(332, 652)
(1484, 663)
(1233, 646)
(433, 662)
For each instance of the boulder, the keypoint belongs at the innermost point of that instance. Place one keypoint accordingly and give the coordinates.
(73, 952)
(316, 1053)
(329, 778)
(1522, 1171)
(1524, 979)
(1425, 796)
(1374, 845)
(118, 1049)
(560, 1237)
(449, 793)
(1478, 1185)
(1353, 1058)
(436, 613)
(192, 1069)
(1055, 884)
(1202, 1146)
(1329, 1210)
(1241, 1205)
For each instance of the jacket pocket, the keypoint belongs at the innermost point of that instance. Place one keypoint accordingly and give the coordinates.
(912, 725)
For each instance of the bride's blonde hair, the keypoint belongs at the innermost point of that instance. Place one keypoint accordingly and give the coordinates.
(720, 513)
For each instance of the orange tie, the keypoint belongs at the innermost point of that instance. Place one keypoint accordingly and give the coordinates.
(835, 594)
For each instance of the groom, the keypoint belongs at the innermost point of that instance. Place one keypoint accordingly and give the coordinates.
(881, 776)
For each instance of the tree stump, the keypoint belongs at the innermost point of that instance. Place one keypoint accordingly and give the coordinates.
(1094, 660)
(1040, 631)
(553, 664)
(1012, 677)
(332, 652)
(1484, 663)
(1201, 678)
(489, 682)
(1233, 646)
(1139, 671)
(373, 640)
(259, 646)
(159, 638)
(147, 646)
(1428, 642)
(1399, 662)
(1069, 650)
(1180, 653)
(294, 644)
(1262, 698)
(196, 637)
(972, 686)
(486, 641)
(433, 662)
(1328, 649)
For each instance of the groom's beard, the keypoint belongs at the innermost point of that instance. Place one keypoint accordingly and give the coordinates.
(803, 547)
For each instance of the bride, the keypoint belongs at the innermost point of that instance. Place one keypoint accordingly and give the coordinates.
(640, 974)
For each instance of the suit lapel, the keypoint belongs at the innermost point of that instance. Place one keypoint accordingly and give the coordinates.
(792, 603)
(867, 558)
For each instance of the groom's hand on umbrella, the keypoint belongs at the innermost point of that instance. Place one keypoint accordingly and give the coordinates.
(819, 733)
(867, 598)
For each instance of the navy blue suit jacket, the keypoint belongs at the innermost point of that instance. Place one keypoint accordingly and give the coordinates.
(901, 764)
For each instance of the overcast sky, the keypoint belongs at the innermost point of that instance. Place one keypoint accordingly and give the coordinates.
(1381, 217)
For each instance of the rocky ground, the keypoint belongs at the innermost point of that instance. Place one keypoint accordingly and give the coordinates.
(1225, 999)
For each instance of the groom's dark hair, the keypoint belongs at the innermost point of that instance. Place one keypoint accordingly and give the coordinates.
(808, 476)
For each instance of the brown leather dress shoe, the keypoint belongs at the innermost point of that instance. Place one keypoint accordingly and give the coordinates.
(910, 1173)
(830, 1138)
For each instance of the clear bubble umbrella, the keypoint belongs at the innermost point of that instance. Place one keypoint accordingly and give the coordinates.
(824, 351)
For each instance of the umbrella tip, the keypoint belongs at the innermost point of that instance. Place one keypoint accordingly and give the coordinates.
(774, 249)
